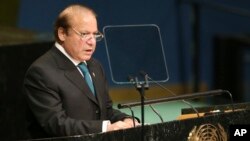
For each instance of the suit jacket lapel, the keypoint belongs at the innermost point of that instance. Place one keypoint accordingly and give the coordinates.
(72, 73)
(94, 77)
(75, 77)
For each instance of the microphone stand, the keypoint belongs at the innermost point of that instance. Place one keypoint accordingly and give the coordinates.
(141, 87)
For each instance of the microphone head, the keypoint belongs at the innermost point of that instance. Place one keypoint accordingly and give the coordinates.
(119, 106)
(143, 73)
(130, 78)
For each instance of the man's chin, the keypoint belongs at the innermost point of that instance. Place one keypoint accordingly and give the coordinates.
(86, 58)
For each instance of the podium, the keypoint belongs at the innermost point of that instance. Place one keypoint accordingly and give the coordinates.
(216, 124)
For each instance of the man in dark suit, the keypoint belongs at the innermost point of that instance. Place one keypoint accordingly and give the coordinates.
(60, 101)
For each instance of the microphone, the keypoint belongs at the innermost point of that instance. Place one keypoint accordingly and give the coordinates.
(135, 82)
(231, 98)
(131, 80)
(132, 113)
(172, 93)
(146, 81)
(197, 94)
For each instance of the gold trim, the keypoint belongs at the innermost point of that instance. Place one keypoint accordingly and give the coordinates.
(208, 132)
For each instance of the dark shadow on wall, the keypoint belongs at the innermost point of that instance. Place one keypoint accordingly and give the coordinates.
(232, 65)
(9, 12)
(16, 55)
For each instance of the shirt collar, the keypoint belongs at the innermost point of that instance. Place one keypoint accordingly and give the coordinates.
(75, 62)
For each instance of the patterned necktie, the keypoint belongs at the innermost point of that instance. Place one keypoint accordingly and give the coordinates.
(87, 76)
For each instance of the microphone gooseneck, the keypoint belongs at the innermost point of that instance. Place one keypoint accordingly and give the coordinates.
(188, 103)
(231, 98)
(171, 98)
(172, 93)
(157, 113)
(131, 79)
(135, 82)
(133, 116)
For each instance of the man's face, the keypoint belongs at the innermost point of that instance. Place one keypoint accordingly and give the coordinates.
(79, 41)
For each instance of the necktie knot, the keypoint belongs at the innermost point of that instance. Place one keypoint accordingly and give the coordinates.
(83, 68)
(87, 77)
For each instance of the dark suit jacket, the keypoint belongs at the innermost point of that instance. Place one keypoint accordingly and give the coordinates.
(61, 102)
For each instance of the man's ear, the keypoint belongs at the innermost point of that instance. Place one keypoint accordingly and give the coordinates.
(61, 33)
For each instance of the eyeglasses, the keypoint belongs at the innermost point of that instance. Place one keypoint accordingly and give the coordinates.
(86, 36)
